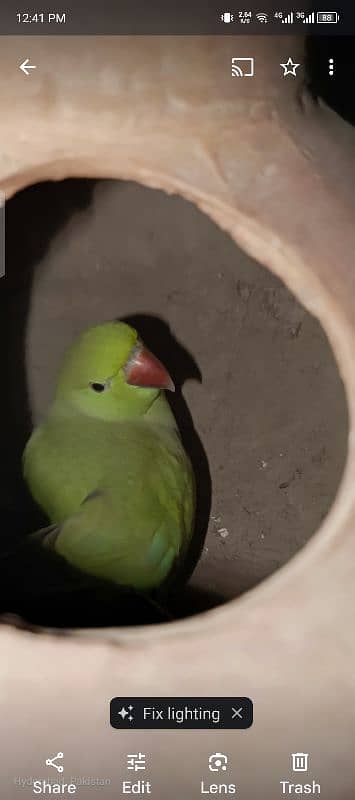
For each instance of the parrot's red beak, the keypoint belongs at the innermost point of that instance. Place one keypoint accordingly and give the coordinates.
(144, 369)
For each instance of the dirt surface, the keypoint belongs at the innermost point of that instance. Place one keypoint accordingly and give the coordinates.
(259, 382)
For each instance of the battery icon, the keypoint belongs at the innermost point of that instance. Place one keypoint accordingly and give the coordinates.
(327, 16)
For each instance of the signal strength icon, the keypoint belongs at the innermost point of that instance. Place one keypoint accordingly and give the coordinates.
(289, 18)
(309, 19)
(262, 17)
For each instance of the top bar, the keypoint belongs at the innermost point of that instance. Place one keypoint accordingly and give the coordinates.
(159, 17)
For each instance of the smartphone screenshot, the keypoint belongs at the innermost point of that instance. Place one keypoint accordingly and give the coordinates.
(177, 296)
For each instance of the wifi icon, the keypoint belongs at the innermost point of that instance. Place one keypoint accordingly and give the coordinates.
(262, 17)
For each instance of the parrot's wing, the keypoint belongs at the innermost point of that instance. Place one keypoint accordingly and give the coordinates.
(41, 587)
(137, 551)
(46, 536)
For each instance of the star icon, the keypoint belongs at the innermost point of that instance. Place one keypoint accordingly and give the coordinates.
(290, 67)
(123, 713)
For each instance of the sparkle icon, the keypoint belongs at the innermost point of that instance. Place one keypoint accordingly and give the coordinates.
(290, 67)
(124, 713)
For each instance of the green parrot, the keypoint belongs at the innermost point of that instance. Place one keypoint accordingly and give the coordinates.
(108, 467)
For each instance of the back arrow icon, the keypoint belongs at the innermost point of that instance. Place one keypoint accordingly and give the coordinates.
(26, 66)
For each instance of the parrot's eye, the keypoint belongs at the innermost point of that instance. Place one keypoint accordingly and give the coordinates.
(98, 387)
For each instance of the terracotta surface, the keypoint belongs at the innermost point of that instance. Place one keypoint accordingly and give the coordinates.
(274, 170)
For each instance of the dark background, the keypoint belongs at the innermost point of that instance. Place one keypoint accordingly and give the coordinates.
(336, 91)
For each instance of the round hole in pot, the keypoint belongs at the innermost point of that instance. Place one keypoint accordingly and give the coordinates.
(262, 411)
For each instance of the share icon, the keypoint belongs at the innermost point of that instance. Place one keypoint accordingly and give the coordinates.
(50, 762)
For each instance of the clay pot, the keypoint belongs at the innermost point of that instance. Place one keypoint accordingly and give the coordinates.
(274, 169)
